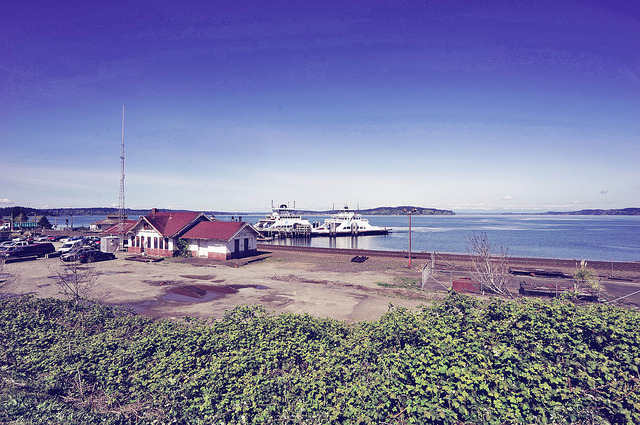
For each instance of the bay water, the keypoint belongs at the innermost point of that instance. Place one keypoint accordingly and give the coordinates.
(603, 238)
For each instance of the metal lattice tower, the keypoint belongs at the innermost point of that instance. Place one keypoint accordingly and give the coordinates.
(121, 213)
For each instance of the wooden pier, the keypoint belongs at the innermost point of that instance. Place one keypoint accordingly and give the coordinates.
(270, 234)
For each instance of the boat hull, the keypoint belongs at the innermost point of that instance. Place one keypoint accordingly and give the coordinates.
(360, 233)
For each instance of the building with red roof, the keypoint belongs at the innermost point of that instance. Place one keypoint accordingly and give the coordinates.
(157, 233)
(116, 229)
(110, 238)
(222, 240)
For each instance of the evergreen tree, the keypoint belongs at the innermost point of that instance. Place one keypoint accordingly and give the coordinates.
(44, 223)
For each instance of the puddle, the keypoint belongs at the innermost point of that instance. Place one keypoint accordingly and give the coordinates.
(184, 294)
(203, 293)
(198, 277)
(163, 282)
(118, 272)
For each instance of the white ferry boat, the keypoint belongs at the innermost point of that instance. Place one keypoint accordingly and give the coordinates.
(283, 220)
(347, 223)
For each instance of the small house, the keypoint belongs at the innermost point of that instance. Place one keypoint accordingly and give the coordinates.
(222, 240)
(105, 223)
(110, 237)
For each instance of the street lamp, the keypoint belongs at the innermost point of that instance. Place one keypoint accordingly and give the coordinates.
(409, 213)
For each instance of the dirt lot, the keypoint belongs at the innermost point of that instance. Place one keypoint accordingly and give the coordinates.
(322, 285)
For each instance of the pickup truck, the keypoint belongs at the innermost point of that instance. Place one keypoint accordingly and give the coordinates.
(10, 244)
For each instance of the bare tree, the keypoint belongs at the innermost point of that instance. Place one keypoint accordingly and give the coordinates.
(584, 276)
(490, 266)
(76, 281)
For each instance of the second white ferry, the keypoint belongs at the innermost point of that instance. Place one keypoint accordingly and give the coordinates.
(347, 223)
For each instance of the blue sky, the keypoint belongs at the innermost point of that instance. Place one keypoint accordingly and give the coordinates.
(463, 105)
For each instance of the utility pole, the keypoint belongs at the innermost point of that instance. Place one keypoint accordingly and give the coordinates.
(410, 213)
(121, 214)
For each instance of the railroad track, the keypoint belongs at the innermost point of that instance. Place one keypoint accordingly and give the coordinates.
(342, 251)
(603, 268)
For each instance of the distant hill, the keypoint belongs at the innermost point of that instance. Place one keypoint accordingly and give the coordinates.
(53, 212)
(623, 211)
(401, 211)
(389, 211)
(104, 211)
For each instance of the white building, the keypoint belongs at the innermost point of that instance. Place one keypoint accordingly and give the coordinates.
(157, 233)
(222, 240)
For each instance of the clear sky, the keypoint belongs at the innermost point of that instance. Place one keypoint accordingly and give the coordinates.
(464, 105)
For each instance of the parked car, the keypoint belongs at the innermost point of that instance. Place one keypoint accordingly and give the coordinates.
(33, 250)
(95, 255)
(73, 254)
(71, 246)
(66, 239)
(15, 242)
(93, 241)
(12, 244)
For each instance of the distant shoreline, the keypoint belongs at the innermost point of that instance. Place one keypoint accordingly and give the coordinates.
(402, 210)
(622, 211)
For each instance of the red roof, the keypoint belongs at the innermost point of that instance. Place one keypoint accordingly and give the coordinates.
(115, 229)
(169, 224)
(220, 230)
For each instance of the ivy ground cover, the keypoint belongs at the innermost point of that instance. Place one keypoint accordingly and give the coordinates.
(458, 362)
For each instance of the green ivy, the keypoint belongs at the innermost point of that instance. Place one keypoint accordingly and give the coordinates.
(459, 361)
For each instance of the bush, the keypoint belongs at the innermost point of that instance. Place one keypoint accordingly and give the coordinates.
(461, 361)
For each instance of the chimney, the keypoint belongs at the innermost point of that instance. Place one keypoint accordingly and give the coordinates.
(154, 211)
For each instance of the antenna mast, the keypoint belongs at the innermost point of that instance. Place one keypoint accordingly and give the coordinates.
(121, 214)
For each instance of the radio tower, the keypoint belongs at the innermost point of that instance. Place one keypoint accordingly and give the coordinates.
(121, 214)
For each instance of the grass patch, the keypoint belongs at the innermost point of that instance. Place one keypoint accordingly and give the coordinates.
(401, 282)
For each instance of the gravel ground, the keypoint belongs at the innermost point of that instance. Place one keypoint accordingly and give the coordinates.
(319, 284)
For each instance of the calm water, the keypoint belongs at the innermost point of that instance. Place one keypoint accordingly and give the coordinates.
(66, 221)
(571, 237)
